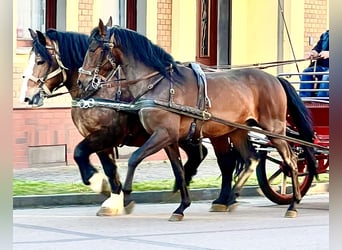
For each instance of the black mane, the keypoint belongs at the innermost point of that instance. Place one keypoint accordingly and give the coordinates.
(141, 49)
(72, 47)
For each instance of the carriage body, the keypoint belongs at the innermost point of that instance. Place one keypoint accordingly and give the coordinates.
(319, 109)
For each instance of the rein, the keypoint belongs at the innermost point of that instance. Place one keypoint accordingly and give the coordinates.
(182, 110)
(62, 93)
(263, 65)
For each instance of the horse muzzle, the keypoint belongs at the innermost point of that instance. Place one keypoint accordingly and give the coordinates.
(36, 100)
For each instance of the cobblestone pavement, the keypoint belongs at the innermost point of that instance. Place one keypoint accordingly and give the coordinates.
(149, 170)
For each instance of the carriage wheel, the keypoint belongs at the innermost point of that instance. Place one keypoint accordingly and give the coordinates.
(275, 183)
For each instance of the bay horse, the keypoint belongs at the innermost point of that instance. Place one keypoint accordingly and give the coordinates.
(57, 58)
(165, 95)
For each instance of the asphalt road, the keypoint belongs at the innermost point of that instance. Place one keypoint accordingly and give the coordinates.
(256, 224)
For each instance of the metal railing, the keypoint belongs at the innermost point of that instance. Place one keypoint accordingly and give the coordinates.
(297, 82)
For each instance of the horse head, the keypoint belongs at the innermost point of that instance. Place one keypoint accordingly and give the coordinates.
(48, 71)
(114, 48)
(102, 59)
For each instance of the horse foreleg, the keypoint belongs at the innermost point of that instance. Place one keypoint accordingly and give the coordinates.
(81, 156)
(151, 146)
(114, 204)
(158, 140)
(98, 182)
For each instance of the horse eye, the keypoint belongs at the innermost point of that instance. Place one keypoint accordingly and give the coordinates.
(40, 62)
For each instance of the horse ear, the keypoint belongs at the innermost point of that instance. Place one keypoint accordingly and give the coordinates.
(32, 33)
(110, 21)
(41, 38)
(102, 28)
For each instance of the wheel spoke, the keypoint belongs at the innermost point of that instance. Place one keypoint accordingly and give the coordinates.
(274, 176)
(275, 183)
(283, 185)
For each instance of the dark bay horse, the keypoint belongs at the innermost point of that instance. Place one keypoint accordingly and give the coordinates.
(58, 57)
(165, 96)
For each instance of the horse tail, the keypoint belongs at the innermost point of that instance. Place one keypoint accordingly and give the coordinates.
(301, 118)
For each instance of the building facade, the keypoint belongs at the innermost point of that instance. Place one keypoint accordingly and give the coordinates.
(213, 32)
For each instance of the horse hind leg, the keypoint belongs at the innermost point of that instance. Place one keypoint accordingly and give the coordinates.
(248, 161)
(196, 153)
(226, 163)
(226, 160)
(290, 162)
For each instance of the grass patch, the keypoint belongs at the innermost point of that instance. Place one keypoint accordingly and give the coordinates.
(21, 187)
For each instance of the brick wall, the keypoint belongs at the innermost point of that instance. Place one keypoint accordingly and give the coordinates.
(53, 126)
(18, 70)
(85, 16)
(164, 24)
(41, 127)
(315, 20)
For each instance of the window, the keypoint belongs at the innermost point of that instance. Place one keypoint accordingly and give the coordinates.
(43, 14)
(30, 14)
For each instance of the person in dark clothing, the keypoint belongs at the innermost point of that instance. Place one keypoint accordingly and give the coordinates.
(321, 64)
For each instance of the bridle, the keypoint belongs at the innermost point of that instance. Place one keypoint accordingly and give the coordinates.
(44, 90)
(106, 52)
(99, 81)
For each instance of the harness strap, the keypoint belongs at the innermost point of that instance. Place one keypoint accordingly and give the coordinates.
(182, 110)
(202, 87)
(46, 90)
(50, 75)
(149, 87)
(58, 58)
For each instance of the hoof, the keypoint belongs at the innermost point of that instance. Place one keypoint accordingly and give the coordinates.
(176, 217)
(112, 206)
(232, 207)
(107, 211)
(218, 208)
(291, 214)
(129, 208)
